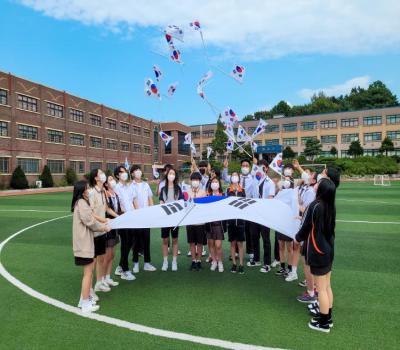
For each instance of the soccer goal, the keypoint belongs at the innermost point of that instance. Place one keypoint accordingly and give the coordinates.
(381, 180)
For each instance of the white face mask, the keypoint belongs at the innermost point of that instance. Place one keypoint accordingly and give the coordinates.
(286, 184)
(195, 183)
(124, 176)
(288, 172)
(214, 186)
(138, 174)
(306, 178)
(112, 183)
(320, 176)
(235, 179)
(245, 170)
(103, 178)
(171, 178)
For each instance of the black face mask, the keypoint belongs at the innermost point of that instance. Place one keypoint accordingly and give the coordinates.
(202, 171)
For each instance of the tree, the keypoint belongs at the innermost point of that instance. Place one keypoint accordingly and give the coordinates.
(386, 146)
(355, 149)
(333, 151)
(46, 177)
(313, 148)
(70, 176)
(18, 179)
(218, 144)
(288, 153)
(281, 108)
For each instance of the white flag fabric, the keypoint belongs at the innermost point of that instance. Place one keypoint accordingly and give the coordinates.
(229, 145)
(271, 213)
(254, 147)
(260, 128)
(188, 139)
(290, 196)
(209, 150)
(241, 135)
(165, 137)
(172, 88)
(277, 164)
(230, 132)
(126, 164)
(150, 89)
(193, 149)
(156, 174)
(237, 73)
(258, 172)
(175, 32)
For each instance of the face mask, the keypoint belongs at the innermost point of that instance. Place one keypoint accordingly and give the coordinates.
(306, 178)
(286, 184)
(245, 170)
(195, 183)
(214, 186)
(112, 183)
(124, 176)
(138, 174)
(235, 179)
(288, 172)
(103, 178)
(171, 178)
(202, 171)
(320, 176)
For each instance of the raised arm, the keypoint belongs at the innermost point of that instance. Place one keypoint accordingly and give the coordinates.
(88, 218)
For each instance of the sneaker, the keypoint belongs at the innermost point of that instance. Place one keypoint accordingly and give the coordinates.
(306, 298)
(101, 287)
(90, 299)
(241, 270)
(93, 295)
(317, 326)
(135, 268)
(292, 276)
(280, 272)
(233, 268)
(189, 253)
(128, 276)
(198, 265)
(265, 269)
(179, 252)
(149, 267)
(314, 311)
(193, 266)
(314, 305)
(251, 256)
(286, 272)
(303, 283)
(213, 266)
(89, 307)
(203, 253)
(174, 266)
(164, 266)
(209, 260)
(253, 263)
(111, 282)
(118, 271)
(275, 263)
(330, 321)
(220, 266)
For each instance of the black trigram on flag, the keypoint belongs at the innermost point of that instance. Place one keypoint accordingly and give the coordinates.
(172, 208)
(242, 203)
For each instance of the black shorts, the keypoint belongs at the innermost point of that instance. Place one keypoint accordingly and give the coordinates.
(320, 271)
(236, 232)
(82, 261)
(195, 234)
(166, 231)
(112, 239)
(100, 245)
(282, 237)
(215, 230)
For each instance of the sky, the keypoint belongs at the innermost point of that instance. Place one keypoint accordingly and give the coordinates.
(104, 50)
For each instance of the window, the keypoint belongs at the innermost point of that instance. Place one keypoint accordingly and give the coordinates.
(111, 124)
(29, 165)
(250, 130)
(136, 130)
(393, 119)
(56, 166)
(308, 125)
(55, 110)
(349, 123)
(305, 139)
(146, 132)
(111, 166)
(3, 128)
(28, 132)
(95, 142)
(76, 115)
(371, 152)
(344, 153)
(95, 120)
(168, 148)
(272, 142)
(136, 148)
(4, 165)
(146, 150)
(393, 135)
(328, 139)
(372, 136)
(78, 166)
(111, 144)
(182, 148)
(272, 128)
(147, 169)
(124, 127)
(95, 165)
(77, 139)
(290, 141)
(375, 120)
(258, 142)
(27, 103)
(55, 136)
(3, 97)
(125, 146)
(328, 124)
(289, 127)
(195, 134)
(349, 138)
(208, 133)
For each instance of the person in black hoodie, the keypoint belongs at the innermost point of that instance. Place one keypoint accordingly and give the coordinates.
(318, 233)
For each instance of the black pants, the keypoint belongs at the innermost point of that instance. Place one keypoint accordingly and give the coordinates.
(127, 242)
(249, 245)
(257, 230)
(276, 248)
(142, 244)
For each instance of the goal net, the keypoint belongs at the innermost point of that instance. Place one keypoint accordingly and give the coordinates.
(381, 180)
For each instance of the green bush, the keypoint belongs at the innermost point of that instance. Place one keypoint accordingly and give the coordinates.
(18, 179)
(46, 177)
(62, 183)
(70, 176)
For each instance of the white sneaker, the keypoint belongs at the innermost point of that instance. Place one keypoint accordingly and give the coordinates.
(111, 282)
(189, 253)
(203, 253)
(101, 287)
(220, 266)
(275, 263)
(128, 276)
(292, 276)
(213, 266)
(135, 268)
(88, 307)
(164, 266)
(118, 271)
(174, 266)
(93, 295)
(149, 267)
(179, 252)
(90, 299)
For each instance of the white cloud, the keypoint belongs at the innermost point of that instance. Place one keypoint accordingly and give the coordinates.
(251, 29)
(337, 90)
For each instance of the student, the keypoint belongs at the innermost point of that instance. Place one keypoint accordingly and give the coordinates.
(195, 233)
(144, 197)
(215, 231)
(169, 193)
(162, 181)
(127, 195)
(84, 224)
(318, 232)
(236, 228)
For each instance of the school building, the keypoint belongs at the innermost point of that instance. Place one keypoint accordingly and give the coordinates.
(332, 129)
(40, 125)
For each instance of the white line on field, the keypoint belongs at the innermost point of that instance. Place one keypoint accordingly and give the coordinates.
(34, 210)
(114, 321)
(370, 222)
(364, 201)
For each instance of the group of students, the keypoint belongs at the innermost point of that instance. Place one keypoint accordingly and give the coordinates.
(100, 198)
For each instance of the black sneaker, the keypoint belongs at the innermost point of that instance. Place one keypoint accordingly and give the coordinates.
(280, 272)
(233, 268)
(317, 326)
(193, 266)
(198, 265)
(265, 269)
(240, 270)
(330, 321)
(314, 311)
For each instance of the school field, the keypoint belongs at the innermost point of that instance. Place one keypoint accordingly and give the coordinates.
(254, 308)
